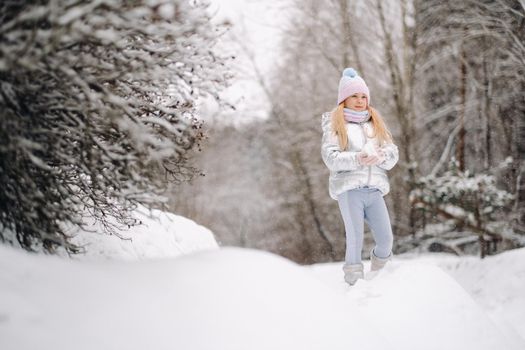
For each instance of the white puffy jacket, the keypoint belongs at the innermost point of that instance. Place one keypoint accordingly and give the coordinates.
(345, 171)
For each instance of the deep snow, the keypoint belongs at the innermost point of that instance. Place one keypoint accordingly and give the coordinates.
(418, 293)
(160, 235)
(232, 298)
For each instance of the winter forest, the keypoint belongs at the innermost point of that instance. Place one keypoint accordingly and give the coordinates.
(162, 180)
(449, 79)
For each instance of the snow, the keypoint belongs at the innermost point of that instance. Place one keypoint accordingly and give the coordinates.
(222, 299)
(495, 283)
(159, 235)
(170, 287)
(414, 300)
(167, 11)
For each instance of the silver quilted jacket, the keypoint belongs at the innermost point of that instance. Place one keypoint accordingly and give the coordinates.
(345, 171)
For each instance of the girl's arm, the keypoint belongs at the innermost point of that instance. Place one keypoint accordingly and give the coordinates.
(391, 156)
(333, 157)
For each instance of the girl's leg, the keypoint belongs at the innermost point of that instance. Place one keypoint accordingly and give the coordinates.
(377, 218)
(352, 210)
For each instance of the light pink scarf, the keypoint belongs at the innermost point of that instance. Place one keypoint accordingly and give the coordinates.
(352, 116)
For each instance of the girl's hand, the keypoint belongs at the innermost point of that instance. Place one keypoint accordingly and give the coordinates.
(381, 155)
(367, 160)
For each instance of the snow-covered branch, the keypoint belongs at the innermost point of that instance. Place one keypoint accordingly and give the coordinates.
(97, 100)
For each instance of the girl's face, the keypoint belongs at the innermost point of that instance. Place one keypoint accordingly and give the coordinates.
(357, 102)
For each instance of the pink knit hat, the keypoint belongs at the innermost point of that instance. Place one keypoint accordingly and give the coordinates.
(351, 83)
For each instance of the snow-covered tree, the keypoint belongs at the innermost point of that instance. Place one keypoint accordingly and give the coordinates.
(97, 101)
(472, 201)
(472, 89)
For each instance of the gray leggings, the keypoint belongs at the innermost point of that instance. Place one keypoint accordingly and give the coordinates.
(359, 205)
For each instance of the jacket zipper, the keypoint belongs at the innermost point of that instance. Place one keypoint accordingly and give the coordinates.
(369, 167)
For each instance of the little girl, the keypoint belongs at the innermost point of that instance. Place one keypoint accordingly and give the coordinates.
(357, 148)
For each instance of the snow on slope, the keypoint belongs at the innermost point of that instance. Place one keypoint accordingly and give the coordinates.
(225, 299)
(497, 283)
(160, 235)
(419, 306)
(234, 299)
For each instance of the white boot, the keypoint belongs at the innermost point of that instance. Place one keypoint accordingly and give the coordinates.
(378, 263)
(353, 272)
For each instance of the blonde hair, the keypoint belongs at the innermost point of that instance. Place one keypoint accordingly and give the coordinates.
(338, 126)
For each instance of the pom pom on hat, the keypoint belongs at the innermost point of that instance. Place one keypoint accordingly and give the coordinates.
(351, 83)
(349, 72)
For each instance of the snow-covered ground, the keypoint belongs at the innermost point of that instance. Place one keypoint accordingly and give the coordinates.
(496, 283)
(232, 298)
(443, 298)
(160, 235)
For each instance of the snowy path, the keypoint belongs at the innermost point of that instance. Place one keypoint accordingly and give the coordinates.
(419, 296)
(235, 299)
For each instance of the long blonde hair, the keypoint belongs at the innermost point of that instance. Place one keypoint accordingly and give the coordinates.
(338, 125)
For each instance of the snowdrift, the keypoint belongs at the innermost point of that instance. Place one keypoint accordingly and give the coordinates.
(417, 305)
(496, 283)
(160, 235)
(224, 299)
(232, 299)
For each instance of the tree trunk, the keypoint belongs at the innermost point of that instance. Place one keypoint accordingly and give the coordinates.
(402, 86)
(487, 109)
(460, 148)
(349, 36)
